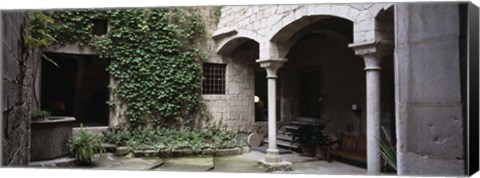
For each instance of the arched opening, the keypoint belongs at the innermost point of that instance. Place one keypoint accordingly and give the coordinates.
(324, 78)
(244, 101)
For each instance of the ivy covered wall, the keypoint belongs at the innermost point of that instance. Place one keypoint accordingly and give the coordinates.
(156, 57)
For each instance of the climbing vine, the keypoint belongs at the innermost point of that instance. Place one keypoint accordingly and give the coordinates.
(155, 58)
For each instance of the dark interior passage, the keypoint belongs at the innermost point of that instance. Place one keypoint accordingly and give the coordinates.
(78, 88)
(261, 92)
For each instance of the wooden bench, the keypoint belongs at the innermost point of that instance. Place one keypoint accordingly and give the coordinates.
(350, 146)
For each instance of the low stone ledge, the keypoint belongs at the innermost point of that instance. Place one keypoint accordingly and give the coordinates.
(109, 148)
(145, 153)
(246, 149)
(185, 152)
(228, 152)
(123, 150)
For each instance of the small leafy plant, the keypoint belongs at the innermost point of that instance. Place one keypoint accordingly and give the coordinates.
(84, 145)
(40, 114)
(117, 136)
(308, 136)
(388, 151)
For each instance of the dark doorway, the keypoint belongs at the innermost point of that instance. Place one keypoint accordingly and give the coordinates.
(261, 105)
(310, 94)
(78, 88)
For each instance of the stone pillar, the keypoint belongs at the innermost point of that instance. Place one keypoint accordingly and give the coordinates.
(1, 90)
(429, 108)
(371, 56)
(272, 66)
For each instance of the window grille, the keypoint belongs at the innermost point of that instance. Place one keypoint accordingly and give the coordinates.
(214, 79)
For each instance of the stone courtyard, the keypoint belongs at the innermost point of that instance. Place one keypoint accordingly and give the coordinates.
(360, 72)
(245, 163)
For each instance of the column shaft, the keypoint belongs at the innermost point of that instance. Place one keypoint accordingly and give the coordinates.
(373, 122)
(272, 66)
(272, 117)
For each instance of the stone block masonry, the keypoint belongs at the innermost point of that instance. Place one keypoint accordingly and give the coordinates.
(18, 67)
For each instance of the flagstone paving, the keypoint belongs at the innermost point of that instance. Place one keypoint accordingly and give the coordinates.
(245, 163)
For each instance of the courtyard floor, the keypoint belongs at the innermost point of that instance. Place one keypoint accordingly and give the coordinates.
(245, 163)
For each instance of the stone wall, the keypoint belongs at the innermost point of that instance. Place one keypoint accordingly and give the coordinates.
(428, 91)
(19, 64)
(263, 22)
(286, 23)
(235, 108)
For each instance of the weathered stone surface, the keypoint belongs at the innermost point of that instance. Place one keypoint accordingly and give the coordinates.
(280, 166)
(109, 161)
(228, 151)
(18, 67)
(245, 149)
(110, 148)
(188, 164)
(145, 153)
(59, 162)
(137, 164)
(429, 113)
(122, 150)
(254, 140)
(49, 139)
(237, 164)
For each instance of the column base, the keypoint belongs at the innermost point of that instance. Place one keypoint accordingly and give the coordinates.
(273, 156)
(279, 166)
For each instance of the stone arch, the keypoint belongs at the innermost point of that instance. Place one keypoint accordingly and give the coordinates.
(383, 7)
(233, 39)
(312, 13)
(283, 30)
(384, 29)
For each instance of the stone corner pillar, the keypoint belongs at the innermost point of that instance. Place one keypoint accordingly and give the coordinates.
(372, 53)
(272, 66)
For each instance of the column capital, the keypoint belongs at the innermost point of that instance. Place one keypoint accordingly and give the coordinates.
(272, 65)
(372, 52)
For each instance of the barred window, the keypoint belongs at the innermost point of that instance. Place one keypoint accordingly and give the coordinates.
(214, 78)
(100, 27)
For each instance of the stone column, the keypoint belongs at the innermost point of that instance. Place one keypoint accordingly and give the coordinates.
(272, 66)
(1, 90)
(371, 56)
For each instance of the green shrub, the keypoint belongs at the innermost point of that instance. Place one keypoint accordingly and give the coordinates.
(117, 136)
(41, 113)
(173, 139)
(84, 145)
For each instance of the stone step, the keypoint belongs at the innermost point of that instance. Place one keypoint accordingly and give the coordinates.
(290, 127)
(287, 144)
(300, 123)
(284, 137)
(283, 143)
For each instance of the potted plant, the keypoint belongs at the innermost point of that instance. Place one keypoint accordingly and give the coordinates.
(308, 137)
(40, 115)
(84, 145)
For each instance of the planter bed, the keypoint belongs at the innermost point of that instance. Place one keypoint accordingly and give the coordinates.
(180, 153)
